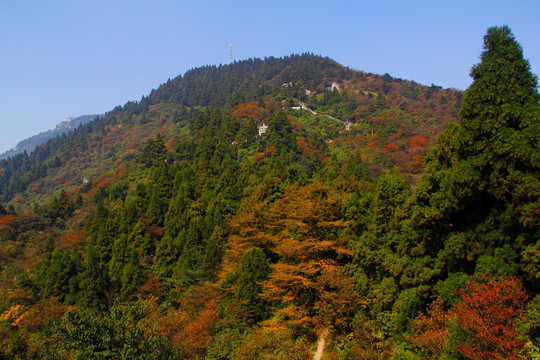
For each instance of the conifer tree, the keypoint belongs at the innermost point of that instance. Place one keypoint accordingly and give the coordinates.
(482, 185)
(119, 258)
(211, 258)
(154, 152)
(475, 210)
(132, 276)
(93, 282)
(156, 207)
(57, 276)
(45, 261)
(75, 268)
(252, 273)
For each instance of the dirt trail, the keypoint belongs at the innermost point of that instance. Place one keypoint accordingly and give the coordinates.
(321, 344)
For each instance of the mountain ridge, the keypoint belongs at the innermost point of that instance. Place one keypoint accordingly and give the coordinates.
(29, 144)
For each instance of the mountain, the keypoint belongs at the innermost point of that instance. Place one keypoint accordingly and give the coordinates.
(394, 120)
(255, 209)
(30, 143)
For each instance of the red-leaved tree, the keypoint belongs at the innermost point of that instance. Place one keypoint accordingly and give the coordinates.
(487, 314)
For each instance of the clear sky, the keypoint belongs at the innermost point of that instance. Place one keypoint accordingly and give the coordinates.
(62, 58)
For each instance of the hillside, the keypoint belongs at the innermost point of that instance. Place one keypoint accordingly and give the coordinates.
(246, 211)
(395, 121)
(30, 143)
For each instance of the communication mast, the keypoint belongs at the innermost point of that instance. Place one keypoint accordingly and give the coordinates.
(230, 52)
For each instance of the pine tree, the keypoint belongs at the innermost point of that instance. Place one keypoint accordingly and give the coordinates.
(252, 273)
(57, 276)
(156, 207)
(119, 257)
(75, 268)
(45, 262)
(481, 188)
(93, 282)
(132, 275)
(475, 210)
(500, 118)
(154, 152)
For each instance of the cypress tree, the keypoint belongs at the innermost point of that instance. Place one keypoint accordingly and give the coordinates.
(75, 268)
(119, 257)
(254, 270)
(57, 275)
(93, 282)
(481, 187)
(132, 276)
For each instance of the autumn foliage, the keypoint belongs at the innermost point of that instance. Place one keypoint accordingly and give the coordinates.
(174, 228)
(429, 332)
(487, 314)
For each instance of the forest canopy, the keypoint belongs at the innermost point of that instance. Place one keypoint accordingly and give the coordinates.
(247, 210)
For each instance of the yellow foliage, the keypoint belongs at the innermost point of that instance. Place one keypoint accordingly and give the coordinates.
(12, 314)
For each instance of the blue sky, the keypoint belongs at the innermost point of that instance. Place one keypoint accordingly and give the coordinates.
(63, 58)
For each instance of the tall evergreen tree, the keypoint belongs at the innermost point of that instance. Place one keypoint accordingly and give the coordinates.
(75, 268)
(154, 152)
(57, 276)
(475, 210)
(482, 181)
(132, 275)
(253, 272)
(93, 282)
(120, 257)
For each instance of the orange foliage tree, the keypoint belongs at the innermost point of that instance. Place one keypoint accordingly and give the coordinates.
(192, 325)
(6, 222)
(429, 332)
(486, 316)
(301, 231)
(418, 142)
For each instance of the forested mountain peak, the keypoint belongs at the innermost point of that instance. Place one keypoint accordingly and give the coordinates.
(390, 121)
(248, 80)
(248, 209)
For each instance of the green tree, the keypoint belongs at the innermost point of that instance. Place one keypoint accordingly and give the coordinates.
(154, 152)
(243, 306)
(156, 207)
(132, 275)
(45, 261)
(120, 257)
(140, 237)
(125, 332)
(254, 270)
(481, 188)
(75, 268)
(58, 275)
(475, 210)
(93, 282)
(281, 135)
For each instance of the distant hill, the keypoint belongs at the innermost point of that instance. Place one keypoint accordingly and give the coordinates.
(29, 144)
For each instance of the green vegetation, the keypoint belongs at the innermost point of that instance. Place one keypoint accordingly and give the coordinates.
(177, 227)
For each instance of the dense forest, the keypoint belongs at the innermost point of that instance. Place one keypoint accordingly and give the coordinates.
(246, 211)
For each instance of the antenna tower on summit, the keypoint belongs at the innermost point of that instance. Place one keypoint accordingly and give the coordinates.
(230, 52)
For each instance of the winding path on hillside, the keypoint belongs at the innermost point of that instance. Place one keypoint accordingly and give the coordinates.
(304, 107)
(321, 344)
